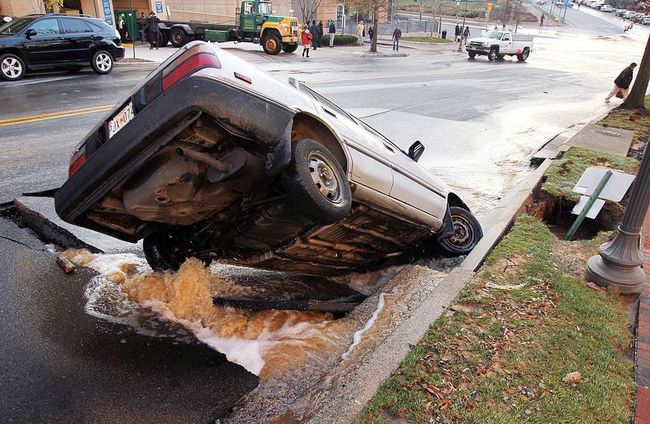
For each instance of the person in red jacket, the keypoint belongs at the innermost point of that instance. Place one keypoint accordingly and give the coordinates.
(306, 40)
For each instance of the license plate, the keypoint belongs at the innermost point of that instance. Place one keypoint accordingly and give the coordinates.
(120, 120)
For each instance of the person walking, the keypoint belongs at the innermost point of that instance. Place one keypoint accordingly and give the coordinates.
(371, 32)
(120, 27)
(320, 33)
(622, 83)
(360, 30)
(466, 35)
(305, 38)
(313, 30)
(541, 20)
(332, 32)
(457, 33)
(154, 31)
(397, 34)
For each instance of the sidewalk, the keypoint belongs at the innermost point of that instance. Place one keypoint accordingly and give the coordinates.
(642, 348)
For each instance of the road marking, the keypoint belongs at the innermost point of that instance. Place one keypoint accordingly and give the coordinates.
(53, 115)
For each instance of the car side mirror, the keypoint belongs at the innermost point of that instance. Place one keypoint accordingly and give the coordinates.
(416, 150)
(30, 33)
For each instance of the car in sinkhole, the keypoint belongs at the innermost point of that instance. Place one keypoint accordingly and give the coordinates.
(210, 157)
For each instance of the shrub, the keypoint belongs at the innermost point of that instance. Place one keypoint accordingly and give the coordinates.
(340, 40)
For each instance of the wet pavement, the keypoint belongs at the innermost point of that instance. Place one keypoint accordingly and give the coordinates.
(60, 364)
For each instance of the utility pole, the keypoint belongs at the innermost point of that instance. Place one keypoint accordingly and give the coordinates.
(618, 263)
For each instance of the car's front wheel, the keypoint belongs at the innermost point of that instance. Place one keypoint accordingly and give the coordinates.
(272, 43)
(12, 67)
(471, 55)
(102, 62)
(466, 235)
(493, 55)
(316, 183)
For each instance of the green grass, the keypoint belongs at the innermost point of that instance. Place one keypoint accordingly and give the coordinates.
(429, 40)
(629, 120)
(501, 357)
(564, 173)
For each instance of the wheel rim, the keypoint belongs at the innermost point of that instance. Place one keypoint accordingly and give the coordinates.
(11, 67)
(176, 37)
(270, 44)
(493, 55)
(325, 177)
(463, 233)
(525, 54)
(103, 62)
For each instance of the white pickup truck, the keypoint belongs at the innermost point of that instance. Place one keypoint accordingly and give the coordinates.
(497, 44)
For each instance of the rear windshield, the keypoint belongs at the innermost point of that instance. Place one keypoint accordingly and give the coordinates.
(15, 26)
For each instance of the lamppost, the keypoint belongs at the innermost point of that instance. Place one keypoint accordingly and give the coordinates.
(618, 263)
(460, 43)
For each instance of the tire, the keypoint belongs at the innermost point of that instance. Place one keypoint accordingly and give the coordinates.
(467, 233)
(272, 44)
(177, 37)
(493, 55)
(102, 62)
(501, 57)
(523, 56)
(471, 55)
(289, 48)
(162, 253)
(12, 67)
(316, 184)
(162, 39)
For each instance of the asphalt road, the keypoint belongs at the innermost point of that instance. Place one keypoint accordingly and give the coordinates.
(479, 121)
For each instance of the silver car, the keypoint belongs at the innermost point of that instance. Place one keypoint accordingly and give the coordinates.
(211, 157)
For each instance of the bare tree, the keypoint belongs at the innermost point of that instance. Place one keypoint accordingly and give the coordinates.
(307, 9)
(375, 7)
(636, 98)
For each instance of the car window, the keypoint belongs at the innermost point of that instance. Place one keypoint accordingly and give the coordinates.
(14, 26)
(46, 27)
(506, 37)
(75, 26)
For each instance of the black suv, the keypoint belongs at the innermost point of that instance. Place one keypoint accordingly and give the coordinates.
(55, 40)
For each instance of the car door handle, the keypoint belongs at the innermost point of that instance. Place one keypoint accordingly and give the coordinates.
(389, 147)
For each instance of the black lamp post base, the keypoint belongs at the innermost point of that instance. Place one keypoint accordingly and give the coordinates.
(626, 279)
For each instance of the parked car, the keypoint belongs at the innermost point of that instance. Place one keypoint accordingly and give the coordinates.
(606, 8)
(629, 14)
(212, 158)
(56, 40)
(497, 44)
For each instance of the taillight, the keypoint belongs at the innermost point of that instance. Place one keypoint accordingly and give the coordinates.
(77, 161)
(196, 58)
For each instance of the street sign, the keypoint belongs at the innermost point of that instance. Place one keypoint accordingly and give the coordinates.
(108, 11)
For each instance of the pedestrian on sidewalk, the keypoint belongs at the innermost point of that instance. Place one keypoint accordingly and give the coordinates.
(397, 34)
(622, 83)
(541, 20)
(457, 33)
(313, 30)
(305, 38)
(466, 35)
(360, 31)
(320, 33)
(154, 31)
(371, 32)
(120, 27)
(332, 32)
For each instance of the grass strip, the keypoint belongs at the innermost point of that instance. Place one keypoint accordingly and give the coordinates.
(428, 40)
(500, 353)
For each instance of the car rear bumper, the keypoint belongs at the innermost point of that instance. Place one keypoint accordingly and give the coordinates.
(266, 122)
(118, 53)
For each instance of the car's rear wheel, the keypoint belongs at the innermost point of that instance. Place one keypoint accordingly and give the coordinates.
(466, 235)
(12, 67)
(165, 252)
(523, 56)
(177, 37)
(316, 183)
(102, 62)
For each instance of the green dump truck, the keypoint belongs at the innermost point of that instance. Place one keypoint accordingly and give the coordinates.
(255, 23)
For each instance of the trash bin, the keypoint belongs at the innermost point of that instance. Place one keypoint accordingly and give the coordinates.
(444, 34)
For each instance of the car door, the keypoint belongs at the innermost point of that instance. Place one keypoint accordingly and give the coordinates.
(46, 45)
(78, 39)
(506, 43)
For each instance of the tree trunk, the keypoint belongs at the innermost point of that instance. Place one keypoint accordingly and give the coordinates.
(375, 34)
(636, 98)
